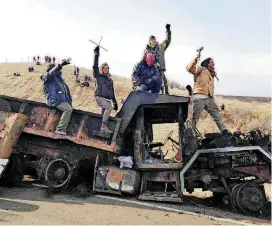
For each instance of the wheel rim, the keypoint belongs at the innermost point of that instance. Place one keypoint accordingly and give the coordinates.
(57, 173)
(250, 199)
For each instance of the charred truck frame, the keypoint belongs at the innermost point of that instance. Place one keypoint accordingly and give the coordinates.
(232, 167)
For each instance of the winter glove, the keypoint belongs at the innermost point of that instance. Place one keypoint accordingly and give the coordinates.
(115, 106)
(147, 81)
(65, 62)
(167, 27)
(96, 50)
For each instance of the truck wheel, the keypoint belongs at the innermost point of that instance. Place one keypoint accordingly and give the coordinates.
(57, 173)
(250, 199)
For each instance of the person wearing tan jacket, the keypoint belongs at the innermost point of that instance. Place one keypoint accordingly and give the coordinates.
(204, 75)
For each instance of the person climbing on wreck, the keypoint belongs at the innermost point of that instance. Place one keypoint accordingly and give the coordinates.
(58, 94)
(146, 76)
(158, 50)
(204, 75)
(104, 91)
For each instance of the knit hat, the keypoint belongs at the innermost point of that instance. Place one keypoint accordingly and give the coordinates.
(151, 37)
(50, 66)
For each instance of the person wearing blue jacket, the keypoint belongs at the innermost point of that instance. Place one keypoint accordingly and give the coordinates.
(58, 94)
(146, 76)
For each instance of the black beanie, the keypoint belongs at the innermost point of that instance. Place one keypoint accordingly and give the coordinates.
(50, 66)
(151, 37)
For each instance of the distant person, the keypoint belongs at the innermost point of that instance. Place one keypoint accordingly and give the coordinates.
(104, 91)
(85, 83)
(49, 60)
(30, 69)
(158, 51)
(38, 58)
(146, 76)
(204, 91)
(54, 59)
(38, 63)
(34, 59)
(74, 69)
(75, 74)
(16, 73)
(58, 94)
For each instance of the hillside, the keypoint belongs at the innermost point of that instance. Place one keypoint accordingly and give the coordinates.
(238, 114)
(246, 98)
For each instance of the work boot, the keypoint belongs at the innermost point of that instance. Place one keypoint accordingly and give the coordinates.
(105, 129)
(60, 132)
(225, 132)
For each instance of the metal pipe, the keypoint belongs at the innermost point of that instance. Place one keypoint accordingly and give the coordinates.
(98, 45)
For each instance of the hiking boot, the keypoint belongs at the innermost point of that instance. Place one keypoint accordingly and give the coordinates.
(166, 90)
(104, 129)
(60, 132)
(225, 132)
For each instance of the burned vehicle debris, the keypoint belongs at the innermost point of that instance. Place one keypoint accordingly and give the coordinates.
(130, 160)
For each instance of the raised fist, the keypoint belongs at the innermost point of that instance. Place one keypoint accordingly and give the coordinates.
(198, 55)
(96, 50)
(65, 62)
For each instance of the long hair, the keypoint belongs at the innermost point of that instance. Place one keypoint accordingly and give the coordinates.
(205, 62)
(102, 66)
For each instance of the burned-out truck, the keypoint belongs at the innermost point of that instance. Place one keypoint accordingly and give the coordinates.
(130, 161)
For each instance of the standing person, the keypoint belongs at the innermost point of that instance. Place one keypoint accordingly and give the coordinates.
(38, 58)
(204, 75)
(54, 60)
(75, 73)
(104, 91)
(158, 50)
(146, 76)
(34, 59)
(58, 94)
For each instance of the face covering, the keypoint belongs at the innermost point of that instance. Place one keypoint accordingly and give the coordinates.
(150, 58)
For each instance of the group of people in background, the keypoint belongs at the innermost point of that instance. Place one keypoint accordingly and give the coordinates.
(147, 75)
(47, 59)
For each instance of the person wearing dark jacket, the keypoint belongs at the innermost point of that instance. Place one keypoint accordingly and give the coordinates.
(146, 76)
(104, 91)
(58, 94)
(158, 49)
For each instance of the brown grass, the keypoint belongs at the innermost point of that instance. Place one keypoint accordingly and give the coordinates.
(237, 114)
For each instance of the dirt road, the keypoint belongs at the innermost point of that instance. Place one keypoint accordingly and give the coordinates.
(30, 205)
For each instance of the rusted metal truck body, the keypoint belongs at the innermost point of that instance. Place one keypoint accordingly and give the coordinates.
(129, 161)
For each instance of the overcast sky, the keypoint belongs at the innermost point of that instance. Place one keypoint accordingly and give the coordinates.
(236, 33)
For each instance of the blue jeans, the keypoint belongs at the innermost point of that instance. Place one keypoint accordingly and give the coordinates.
(154, 87)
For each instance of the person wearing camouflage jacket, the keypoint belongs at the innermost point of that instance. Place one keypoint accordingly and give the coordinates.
(158, 50)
